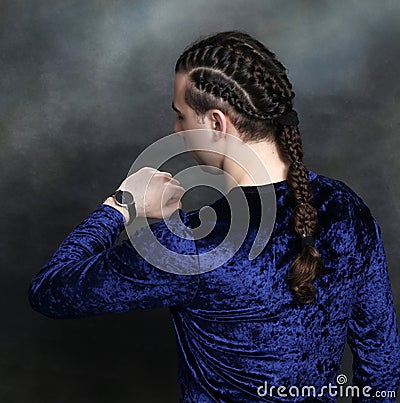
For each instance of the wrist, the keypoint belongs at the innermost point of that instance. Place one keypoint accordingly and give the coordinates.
(123, 210)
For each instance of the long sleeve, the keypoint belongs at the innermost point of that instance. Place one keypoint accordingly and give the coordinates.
(373, 334)
(89, 274)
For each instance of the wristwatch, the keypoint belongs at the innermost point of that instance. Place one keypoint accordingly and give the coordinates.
(125, 199)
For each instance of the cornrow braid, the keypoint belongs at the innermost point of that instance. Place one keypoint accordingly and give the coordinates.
(218, 84)
(237, 74)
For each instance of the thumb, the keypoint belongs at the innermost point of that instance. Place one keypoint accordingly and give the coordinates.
(171, 207)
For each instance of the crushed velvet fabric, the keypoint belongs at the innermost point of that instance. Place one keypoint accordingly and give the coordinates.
(238, 327)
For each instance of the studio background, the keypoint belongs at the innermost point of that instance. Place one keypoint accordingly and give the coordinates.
(87, 85)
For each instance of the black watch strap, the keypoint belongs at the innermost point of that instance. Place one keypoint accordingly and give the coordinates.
(125, 199)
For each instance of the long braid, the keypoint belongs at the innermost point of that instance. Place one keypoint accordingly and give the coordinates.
(237, 74)
(308, 264)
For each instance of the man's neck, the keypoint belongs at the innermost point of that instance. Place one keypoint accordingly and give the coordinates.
(263, 162)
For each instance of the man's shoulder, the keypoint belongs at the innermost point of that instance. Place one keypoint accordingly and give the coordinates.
(338, 190)
(337, 199)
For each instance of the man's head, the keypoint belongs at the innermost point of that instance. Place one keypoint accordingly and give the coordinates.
(236, 74)
(232, 83)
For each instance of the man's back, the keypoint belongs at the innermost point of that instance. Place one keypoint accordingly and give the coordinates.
(244, 328)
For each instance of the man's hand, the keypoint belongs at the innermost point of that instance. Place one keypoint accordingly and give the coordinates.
(157, 194)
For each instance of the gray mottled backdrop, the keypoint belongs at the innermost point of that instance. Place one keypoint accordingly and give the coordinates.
(87, 85)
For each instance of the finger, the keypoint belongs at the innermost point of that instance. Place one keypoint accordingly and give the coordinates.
(168, 176)
(173, 192)
(174, 181)
(170, 208)
(150, 169)
(172, 186)
(166, 173)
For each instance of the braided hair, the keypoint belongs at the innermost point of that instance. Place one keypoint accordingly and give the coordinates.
(235, 73)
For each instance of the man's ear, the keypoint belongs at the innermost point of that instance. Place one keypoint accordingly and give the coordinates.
(218, 120)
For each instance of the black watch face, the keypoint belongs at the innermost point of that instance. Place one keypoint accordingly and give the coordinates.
(124, 198)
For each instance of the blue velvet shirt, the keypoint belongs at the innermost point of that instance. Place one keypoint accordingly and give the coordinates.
(239, 330)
